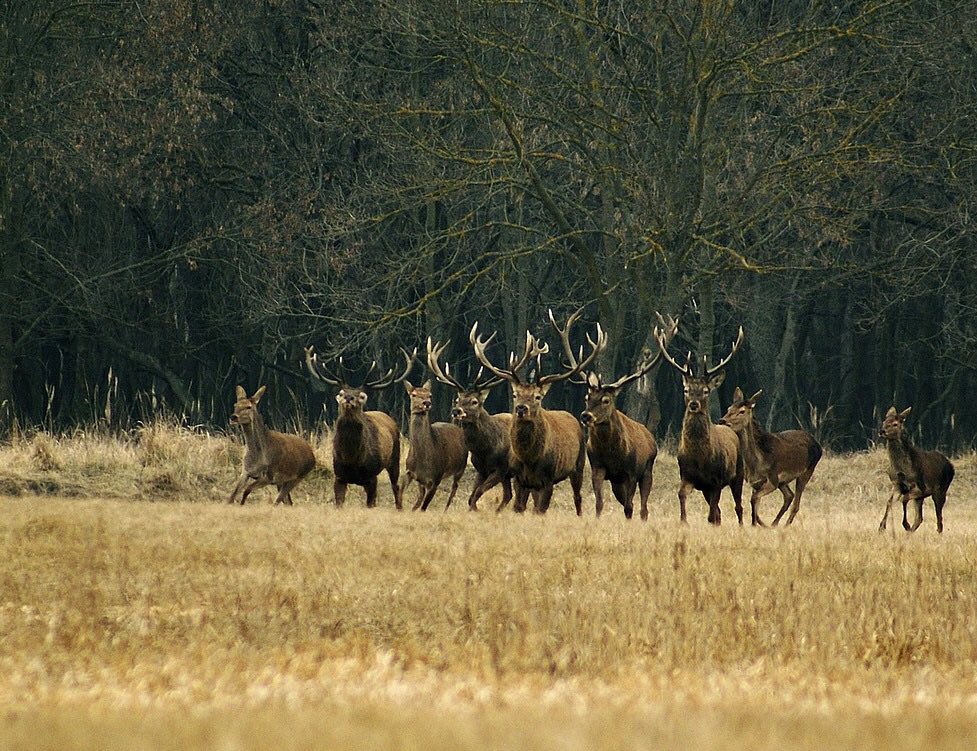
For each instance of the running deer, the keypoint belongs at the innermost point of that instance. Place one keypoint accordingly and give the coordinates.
(772, 460)
(436, 449)
(620, 449)
(547, 445)
(709, 457)
(270, 457)
(915, 474)
(487, 436)
(364, 443)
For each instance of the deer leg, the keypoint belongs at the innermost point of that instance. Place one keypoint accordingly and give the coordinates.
(257, 482)
(477, 491)
(393, 472)
(506, 494)
(683, 493)
(576, 483)
(339, 491)
(905, 511)
(939, 498)
(623, 492)
(541, 499)
(371, 492)
(715, 513)
(454, 489)
(798, 490)
(737, 487)
(522, 498)
(421, 492)
(429, 494)
(597, 480)
(237, 487)
(918, 502)
(888, 507)
(644, 489)
(760, 489)
(285, 492)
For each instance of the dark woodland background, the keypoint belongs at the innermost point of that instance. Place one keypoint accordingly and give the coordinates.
(194, 190)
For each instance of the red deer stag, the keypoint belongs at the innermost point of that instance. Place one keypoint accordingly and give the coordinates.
(364, 443)
(547, 445)
(435, 450)
(772, 460)
(709, 458)
(915, 474)
(270, 457)
(487, 436)
(620, 449)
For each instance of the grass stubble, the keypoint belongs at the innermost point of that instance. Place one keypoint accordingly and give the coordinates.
(191, 624)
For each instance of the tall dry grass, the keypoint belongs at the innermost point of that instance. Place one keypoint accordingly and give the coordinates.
(180, 624)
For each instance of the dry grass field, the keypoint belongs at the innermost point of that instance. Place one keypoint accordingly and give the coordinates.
(137, 611)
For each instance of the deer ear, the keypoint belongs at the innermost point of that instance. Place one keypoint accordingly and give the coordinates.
(427, 384)
(258, 394)
(891, 412)
(738, 394)
(483, 395)
(905, 413)
(756, 397)
(544, 388)
(240, 393)
(408, 387)
(716, 381)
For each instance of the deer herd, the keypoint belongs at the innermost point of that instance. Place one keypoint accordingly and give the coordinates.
(531, 449)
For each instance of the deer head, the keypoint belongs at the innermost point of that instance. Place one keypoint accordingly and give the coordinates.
(353, 398)
(892, 425)
(739, 416)
(420, 397)
(468, 399)
(527, 396)
(697, 386)
(245, 407)
(600, 399)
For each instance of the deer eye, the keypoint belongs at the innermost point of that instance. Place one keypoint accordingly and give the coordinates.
(537, 397)
(605, 400)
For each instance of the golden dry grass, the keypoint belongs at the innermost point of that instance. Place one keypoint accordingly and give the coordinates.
(191, 624)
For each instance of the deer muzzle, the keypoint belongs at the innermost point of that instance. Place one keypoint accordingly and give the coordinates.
(522, 411)
(587, 418)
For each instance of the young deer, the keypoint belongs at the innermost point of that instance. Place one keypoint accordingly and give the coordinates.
(547, 445)
(435, 450)
(772, 460)
(487, 436)
(270, 457)
(620, 449)
(915, 474)
(709, 457)
(364, 443)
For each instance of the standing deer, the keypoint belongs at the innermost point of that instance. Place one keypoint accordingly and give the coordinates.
(435, 450)
(487, 436)
(547, 445)
(364, 443)
(270, 457)
(772, 460)
(709, 458)
(620, 449)
(915, 474)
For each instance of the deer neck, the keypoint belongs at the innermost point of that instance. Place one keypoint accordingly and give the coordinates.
(421, 435)
(900, 453)
(256, 435)
(610, 434)
(351, 435)
(482, 433)
(529, 437)
(750, 447)
(696, 435)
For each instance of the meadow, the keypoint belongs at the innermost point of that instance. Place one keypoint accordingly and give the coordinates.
(139, 611)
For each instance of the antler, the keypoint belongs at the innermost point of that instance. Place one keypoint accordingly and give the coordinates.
(319, 371)
(722, 363)
(671, 328)
(662, 341)
(532, 348)
(434, 352)
(576, 362)
(388, 379)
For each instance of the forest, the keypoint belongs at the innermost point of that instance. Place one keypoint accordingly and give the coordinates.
(195, 190)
